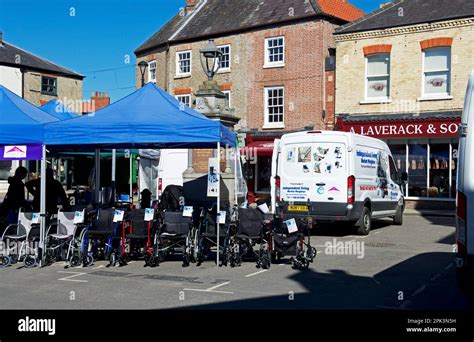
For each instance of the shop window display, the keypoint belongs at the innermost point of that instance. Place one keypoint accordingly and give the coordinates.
(439, 171)
(417, 170)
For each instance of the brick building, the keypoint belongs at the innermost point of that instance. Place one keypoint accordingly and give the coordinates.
(401, 74)
(276, 58)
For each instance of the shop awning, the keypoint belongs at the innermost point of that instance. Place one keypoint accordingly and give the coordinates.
(258, 148)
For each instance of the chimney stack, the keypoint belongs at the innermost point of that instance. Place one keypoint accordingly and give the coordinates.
(191, 5)
(385, 4)
(1, 38)
(100, 100)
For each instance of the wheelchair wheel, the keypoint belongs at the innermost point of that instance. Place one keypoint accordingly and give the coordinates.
(30, 261)
(112, 259)
(88, 260)
(264, 259)
(74, 261)
(152, 261)
(311, 253)
(5, 261)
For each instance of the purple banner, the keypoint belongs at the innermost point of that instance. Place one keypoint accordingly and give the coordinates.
(20, 152)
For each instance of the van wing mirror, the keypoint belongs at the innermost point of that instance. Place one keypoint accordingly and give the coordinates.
(404, 178)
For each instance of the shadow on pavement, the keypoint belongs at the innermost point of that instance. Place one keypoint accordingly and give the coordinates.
(339, 290)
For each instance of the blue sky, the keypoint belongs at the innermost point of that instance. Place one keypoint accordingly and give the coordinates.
(93, 37)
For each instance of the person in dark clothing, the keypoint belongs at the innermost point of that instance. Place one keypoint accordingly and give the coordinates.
(15, 197)
(55, 193)
(146, 199)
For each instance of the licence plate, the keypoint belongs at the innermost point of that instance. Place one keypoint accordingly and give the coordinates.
(297, 208)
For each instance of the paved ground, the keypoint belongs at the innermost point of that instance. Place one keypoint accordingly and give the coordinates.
(408, 267)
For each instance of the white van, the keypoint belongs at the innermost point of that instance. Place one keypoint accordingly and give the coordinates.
(465, 194)
(336, 176)
(173, 162)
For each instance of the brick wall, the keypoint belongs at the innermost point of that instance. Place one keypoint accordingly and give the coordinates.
(406, 67)
(306, 46)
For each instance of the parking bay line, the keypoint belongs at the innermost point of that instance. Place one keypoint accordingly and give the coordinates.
(212, 289)
(74, 274)
(255, 273)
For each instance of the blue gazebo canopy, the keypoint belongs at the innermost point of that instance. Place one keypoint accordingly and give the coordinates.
(149, 117)
(58, 110)
(20, 121)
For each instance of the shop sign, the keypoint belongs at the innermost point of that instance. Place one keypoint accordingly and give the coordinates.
(405, 130)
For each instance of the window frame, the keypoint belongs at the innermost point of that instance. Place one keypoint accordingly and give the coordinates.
(448, 94)
(229, 96)
(150, 80)
(267, 123)
(267, 63)
(228, 69)
(178, 60)
(366, 80)
(53, 93)
(179, 97)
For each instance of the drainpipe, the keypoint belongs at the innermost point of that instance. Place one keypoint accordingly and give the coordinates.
(167, 56)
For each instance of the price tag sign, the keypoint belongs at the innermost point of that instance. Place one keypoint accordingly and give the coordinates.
(149, 214)
(188, 211)
(291, 225)
(118, 216)
(222, 216)
(35, 218)
(78, 217)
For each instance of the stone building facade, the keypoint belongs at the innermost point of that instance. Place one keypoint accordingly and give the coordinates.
(401, 76)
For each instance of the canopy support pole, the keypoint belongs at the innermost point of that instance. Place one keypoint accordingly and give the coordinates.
(114, 171)
(218, 199)
(97, 175)
(42, 206)
(236, 188)
(131, 177)
(114, 164)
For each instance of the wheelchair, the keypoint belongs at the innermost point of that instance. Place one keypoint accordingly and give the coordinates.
(174, 235)
(297, 244)
(248, 229)
(137, 236)
(102, 239)
(17, 240)
(60, 237)
(206, 236)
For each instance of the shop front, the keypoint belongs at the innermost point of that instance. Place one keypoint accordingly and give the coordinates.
(424, 145)
(258, 153)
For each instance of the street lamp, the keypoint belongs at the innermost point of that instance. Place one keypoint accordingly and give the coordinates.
(211, 56)
(143, 65)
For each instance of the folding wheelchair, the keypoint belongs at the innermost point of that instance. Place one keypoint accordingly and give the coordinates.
(137, 236)
(20, 241)
(102, 239)
(297, 244)
(174, 236)
(206, 236)
(60, 236)
(248, 230)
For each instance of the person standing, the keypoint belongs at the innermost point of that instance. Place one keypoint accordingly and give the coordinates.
(55, 193)
(15, 197)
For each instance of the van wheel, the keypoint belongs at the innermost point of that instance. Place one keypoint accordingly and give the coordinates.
(365, 222)
(398, 218)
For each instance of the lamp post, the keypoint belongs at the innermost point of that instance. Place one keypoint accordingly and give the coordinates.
(143, 66)
(210, 62)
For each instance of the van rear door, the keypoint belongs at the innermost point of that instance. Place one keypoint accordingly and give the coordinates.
(273, 189)
(315, 167)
